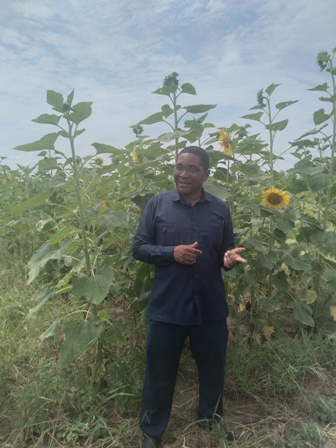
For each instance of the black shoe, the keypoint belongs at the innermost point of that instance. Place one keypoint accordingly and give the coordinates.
(149, 442)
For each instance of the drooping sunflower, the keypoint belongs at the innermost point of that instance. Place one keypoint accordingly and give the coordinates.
(225, 142)
(275, 198)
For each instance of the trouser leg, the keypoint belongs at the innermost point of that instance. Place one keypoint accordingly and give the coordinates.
(208, 343)
(164, 346)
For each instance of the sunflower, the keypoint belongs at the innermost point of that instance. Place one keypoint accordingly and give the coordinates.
(98, 161)
(225, 142)
(135, 156)
(275, 198)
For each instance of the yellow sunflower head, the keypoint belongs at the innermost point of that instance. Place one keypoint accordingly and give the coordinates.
(275, 198)
(98, 161)
(225, 142)
(135, 156)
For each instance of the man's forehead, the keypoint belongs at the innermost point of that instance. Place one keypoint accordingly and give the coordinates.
(191, 159)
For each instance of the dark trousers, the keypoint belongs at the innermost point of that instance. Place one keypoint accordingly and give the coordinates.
(164, 345)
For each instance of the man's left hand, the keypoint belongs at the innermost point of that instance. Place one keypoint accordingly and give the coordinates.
(232, 257)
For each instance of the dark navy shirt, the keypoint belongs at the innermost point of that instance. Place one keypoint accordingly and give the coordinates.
(185, 294)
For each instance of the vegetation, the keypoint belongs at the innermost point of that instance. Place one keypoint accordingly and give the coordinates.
(73, 299)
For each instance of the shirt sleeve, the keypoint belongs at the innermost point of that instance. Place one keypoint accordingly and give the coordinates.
(144, 243)
(228, 237)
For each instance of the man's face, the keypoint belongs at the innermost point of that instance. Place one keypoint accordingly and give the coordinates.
(189, 175)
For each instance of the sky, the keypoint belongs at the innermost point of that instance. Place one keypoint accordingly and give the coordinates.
(115, 53)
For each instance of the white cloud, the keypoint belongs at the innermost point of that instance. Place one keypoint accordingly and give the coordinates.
(116, 53)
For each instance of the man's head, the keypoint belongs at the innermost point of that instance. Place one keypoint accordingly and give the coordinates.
(191, 170)
(200, 152)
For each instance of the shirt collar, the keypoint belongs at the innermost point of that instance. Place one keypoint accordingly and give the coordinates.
(176, 196)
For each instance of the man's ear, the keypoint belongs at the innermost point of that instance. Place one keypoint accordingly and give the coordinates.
(206, 175)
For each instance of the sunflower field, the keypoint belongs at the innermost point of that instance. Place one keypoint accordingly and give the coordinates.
(67, 225)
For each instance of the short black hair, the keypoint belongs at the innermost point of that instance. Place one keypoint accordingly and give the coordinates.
(200, 152)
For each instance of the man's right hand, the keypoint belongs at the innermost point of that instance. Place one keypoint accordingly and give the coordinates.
(186, 254)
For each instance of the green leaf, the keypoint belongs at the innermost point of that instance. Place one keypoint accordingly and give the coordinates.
(325, 243)
(280, 281)
(80, 112)
(188, 88)
(169, 136)
(321, 87)
(305, 166)
(267, 260)
(79, 338)
(41, 299)
(285, 104)
(32, 203)
(292, 259)
(270, 304)
(303, 313)
(154, 118)
(46, 142)
(320, 181)
(94, 288)
(199, 108)
(165, 90)
(217, 190)
(48, 163)
(320, 117)
(256, 116)
(279, 126)
(107, 149)
(166, 110)
(285, 220)
(55, 99)
(70, 98)
(51, 330)
(47, 119)
(270, 89)
(41, 257)
(56, 181)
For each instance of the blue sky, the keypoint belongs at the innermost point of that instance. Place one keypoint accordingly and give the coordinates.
(116, 52)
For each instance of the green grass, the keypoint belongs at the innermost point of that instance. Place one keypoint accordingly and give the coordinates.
(279, 393)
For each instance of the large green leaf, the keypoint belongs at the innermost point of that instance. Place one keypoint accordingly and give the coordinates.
(303, 313)
(325, 243)
(41, 299)
(285, 220)
(320, 116)
(80, 112)
(305, 166)
(270, 89)
(51, 330)
(101, 148)
(79, 338)
(47, 119)
(293, 259)
(257, 116)
(154, 118)
(55, 99)
(285, 104)
(279, 126)
(36, 201)
(321, 181)
(188, 88)
(199, 108)
(320, 88)
(94, 288)
(41, 257)
(280, 281)
(46, 142)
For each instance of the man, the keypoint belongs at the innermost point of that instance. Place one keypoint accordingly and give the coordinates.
(187, 233)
